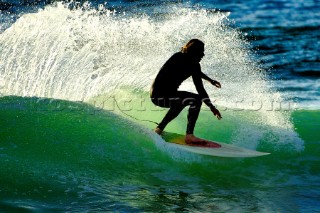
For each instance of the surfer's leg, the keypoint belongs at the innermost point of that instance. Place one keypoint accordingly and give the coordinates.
(195, 102)
(176, 104)
(175, 109)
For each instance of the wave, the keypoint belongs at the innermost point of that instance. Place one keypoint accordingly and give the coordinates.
(90, 55)
(74, 150)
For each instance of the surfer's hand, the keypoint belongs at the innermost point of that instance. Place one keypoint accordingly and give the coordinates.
(216, 112)
(216, 83)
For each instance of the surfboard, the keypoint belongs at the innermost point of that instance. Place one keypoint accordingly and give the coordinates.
(211, 148)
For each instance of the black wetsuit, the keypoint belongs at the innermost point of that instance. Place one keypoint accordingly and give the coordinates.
(164, 90)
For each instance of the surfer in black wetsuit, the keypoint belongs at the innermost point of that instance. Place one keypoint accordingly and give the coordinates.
(164, 90)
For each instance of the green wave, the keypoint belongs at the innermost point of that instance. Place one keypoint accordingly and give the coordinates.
(71, 155)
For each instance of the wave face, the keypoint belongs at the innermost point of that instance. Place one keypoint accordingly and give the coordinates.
(64, 156)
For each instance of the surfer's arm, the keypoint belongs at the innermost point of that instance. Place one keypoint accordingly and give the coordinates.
(201, 91)
(213, 82)
(204, 95)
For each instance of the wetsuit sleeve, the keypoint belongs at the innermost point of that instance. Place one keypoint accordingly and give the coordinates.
(196, 77)
(205, 77)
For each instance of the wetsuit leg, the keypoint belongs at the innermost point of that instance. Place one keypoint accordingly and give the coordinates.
(175, 109)
(195, 106)
(176, 105)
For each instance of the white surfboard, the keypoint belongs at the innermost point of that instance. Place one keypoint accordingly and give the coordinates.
(211, 148)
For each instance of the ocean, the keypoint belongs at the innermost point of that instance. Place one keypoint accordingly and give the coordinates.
(75, 111)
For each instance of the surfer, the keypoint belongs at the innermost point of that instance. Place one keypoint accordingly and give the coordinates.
(164, 90)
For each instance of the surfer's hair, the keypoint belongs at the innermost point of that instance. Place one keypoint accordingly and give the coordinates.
(194, 45)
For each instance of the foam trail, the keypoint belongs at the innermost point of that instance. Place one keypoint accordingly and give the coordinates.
(84, 53)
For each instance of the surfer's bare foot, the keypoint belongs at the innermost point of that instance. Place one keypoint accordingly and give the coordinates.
(158, 131)
(191, 139)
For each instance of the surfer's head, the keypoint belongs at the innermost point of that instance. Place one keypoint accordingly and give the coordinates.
(194, 48)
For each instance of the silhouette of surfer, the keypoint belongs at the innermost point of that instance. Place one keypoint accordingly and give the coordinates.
(164, 90)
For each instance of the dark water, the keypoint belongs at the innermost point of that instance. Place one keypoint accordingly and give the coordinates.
(66, 146)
